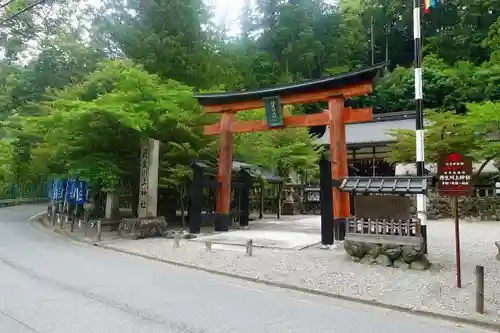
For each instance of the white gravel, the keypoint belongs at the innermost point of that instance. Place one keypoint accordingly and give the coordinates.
(332, 271)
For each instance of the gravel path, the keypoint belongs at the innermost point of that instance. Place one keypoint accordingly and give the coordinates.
(332, 271)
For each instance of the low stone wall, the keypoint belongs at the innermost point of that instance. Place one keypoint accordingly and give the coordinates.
(388, 255)
(484, 208)
(136, 228)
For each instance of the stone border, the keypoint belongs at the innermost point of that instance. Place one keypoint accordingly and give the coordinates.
(408, 310)
(387, 255)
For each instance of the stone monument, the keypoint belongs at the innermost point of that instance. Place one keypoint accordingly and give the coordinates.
(289, 205)
(147, 224)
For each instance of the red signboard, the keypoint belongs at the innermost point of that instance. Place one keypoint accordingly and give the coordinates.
(455, 175)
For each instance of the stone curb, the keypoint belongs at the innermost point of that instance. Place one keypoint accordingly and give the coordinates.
(423, 313)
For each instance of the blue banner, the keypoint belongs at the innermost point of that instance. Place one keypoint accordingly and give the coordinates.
(80, 192)
(69, 190)
(58, 189)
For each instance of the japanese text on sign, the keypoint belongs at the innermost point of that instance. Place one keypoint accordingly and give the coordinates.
(313, 196)
(274, 112)
(454, 175)
(143, 188)
(58, 189)
(80, 192)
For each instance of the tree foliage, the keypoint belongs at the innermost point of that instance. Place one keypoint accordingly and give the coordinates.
(474, 134)
(281, 150)
(94, 129)
(81, 85)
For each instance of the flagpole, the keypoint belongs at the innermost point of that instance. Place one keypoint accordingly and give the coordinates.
(419, 119)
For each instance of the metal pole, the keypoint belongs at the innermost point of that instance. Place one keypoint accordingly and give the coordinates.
(99, 230)
(177, 240)
(249, 247)
(372, 39)
(387, 43)
(419, 125)
(457, 241)
(480, 289)
(261, 200)
(54, 213)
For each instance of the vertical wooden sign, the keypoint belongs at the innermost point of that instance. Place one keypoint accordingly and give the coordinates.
(455, 180)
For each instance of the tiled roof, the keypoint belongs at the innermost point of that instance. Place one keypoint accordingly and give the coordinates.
(375, 131)
(334, 81)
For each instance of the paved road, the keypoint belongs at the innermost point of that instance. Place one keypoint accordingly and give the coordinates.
(49, 284)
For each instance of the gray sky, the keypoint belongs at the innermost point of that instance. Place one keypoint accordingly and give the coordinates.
(227, 13)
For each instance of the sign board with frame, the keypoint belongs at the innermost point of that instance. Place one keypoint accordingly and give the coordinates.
(274, 112)
(454, 175)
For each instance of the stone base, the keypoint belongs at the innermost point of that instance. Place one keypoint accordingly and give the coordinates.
(339, 229)
(137, 228)
(110, 225)
(388, 255)
(222, 222)
(289, 208)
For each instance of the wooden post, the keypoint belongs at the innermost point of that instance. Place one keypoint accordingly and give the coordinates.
(224, 175)
(457, 241)
(261, 200)
(325, 194)
(244, 202)
(181, 203)
(278, 200)
(196, 200)
(177, 240)
(99, 230)
(480, 289)
(338, 150)
(54, 213)
(249, 244)
(60, 218)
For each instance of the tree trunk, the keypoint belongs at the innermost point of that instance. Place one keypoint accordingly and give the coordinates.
(484, 164)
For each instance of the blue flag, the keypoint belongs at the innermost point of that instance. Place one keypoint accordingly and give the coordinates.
(80, 192)
(69, 190)
(58, 189)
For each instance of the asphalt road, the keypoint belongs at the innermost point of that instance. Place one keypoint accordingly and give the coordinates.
(50, 284)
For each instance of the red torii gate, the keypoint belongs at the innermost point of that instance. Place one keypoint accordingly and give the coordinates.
(334, 89)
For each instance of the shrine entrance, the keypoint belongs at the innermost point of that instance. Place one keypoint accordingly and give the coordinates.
(335, 206)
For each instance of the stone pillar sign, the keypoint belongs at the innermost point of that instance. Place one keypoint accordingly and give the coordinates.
(148, 182)
(147, 224)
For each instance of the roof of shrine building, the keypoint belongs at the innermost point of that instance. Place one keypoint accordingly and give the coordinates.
(309, 86)
(376, 131)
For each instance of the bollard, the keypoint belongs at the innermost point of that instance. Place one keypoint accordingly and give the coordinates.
(72, 225)
(249, 247)
(208, 246)
(177, 240)
(60, 220)
(480, 289)
(53, 214)
(99, 225)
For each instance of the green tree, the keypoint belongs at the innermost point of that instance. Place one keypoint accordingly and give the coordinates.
(474, 134)
(283, 151)
(168, 38)
(94, 129)
(444, 132)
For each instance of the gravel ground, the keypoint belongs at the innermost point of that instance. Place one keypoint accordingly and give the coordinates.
(332, 271)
